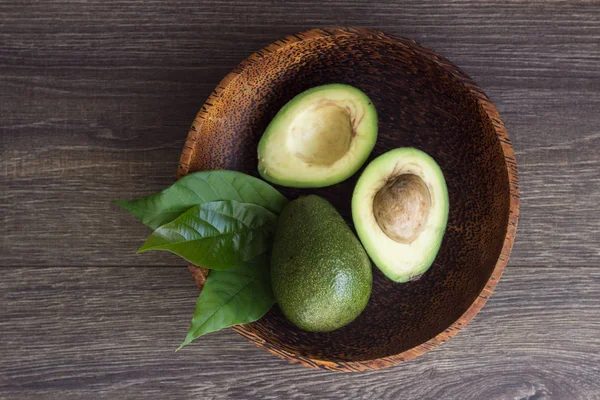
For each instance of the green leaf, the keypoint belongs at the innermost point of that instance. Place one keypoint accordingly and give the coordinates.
(216, 235)
(238, 295)
(203, 187)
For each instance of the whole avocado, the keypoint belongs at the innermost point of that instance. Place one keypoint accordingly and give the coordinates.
(320, 273)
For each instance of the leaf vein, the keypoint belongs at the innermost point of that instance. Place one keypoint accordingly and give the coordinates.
(196, 331)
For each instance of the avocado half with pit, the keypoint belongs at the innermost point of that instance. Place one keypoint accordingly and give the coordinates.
(319, 138)
(400, 211)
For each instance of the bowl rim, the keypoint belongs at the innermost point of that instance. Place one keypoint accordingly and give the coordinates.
(511, 166)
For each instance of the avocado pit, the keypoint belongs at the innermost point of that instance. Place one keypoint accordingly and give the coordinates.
(401, 207)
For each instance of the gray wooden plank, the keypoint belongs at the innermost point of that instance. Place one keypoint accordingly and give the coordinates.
(97, 98)
(106, 333)
(104, 107)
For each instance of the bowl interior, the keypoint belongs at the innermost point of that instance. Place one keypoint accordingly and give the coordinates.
(419, 104)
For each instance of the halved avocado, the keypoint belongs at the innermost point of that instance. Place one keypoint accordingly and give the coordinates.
(400, 211)
(319, 138)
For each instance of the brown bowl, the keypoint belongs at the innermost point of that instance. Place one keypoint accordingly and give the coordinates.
(423, 101)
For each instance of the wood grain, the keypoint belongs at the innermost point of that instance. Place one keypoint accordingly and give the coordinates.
(97, 99)
(111, 333)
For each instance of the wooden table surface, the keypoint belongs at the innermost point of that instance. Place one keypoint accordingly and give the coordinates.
(95, 101)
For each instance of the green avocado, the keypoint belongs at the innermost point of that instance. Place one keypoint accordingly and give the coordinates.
(400, 211)
(319, 138)
(321, 275)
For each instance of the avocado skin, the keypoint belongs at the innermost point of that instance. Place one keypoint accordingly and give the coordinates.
(320, 273)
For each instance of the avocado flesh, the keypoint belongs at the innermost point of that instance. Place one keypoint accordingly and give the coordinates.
(400, 212)
(319, 138)
(320, 273)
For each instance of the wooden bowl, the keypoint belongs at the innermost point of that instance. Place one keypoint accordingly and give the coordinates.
(423, 101)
